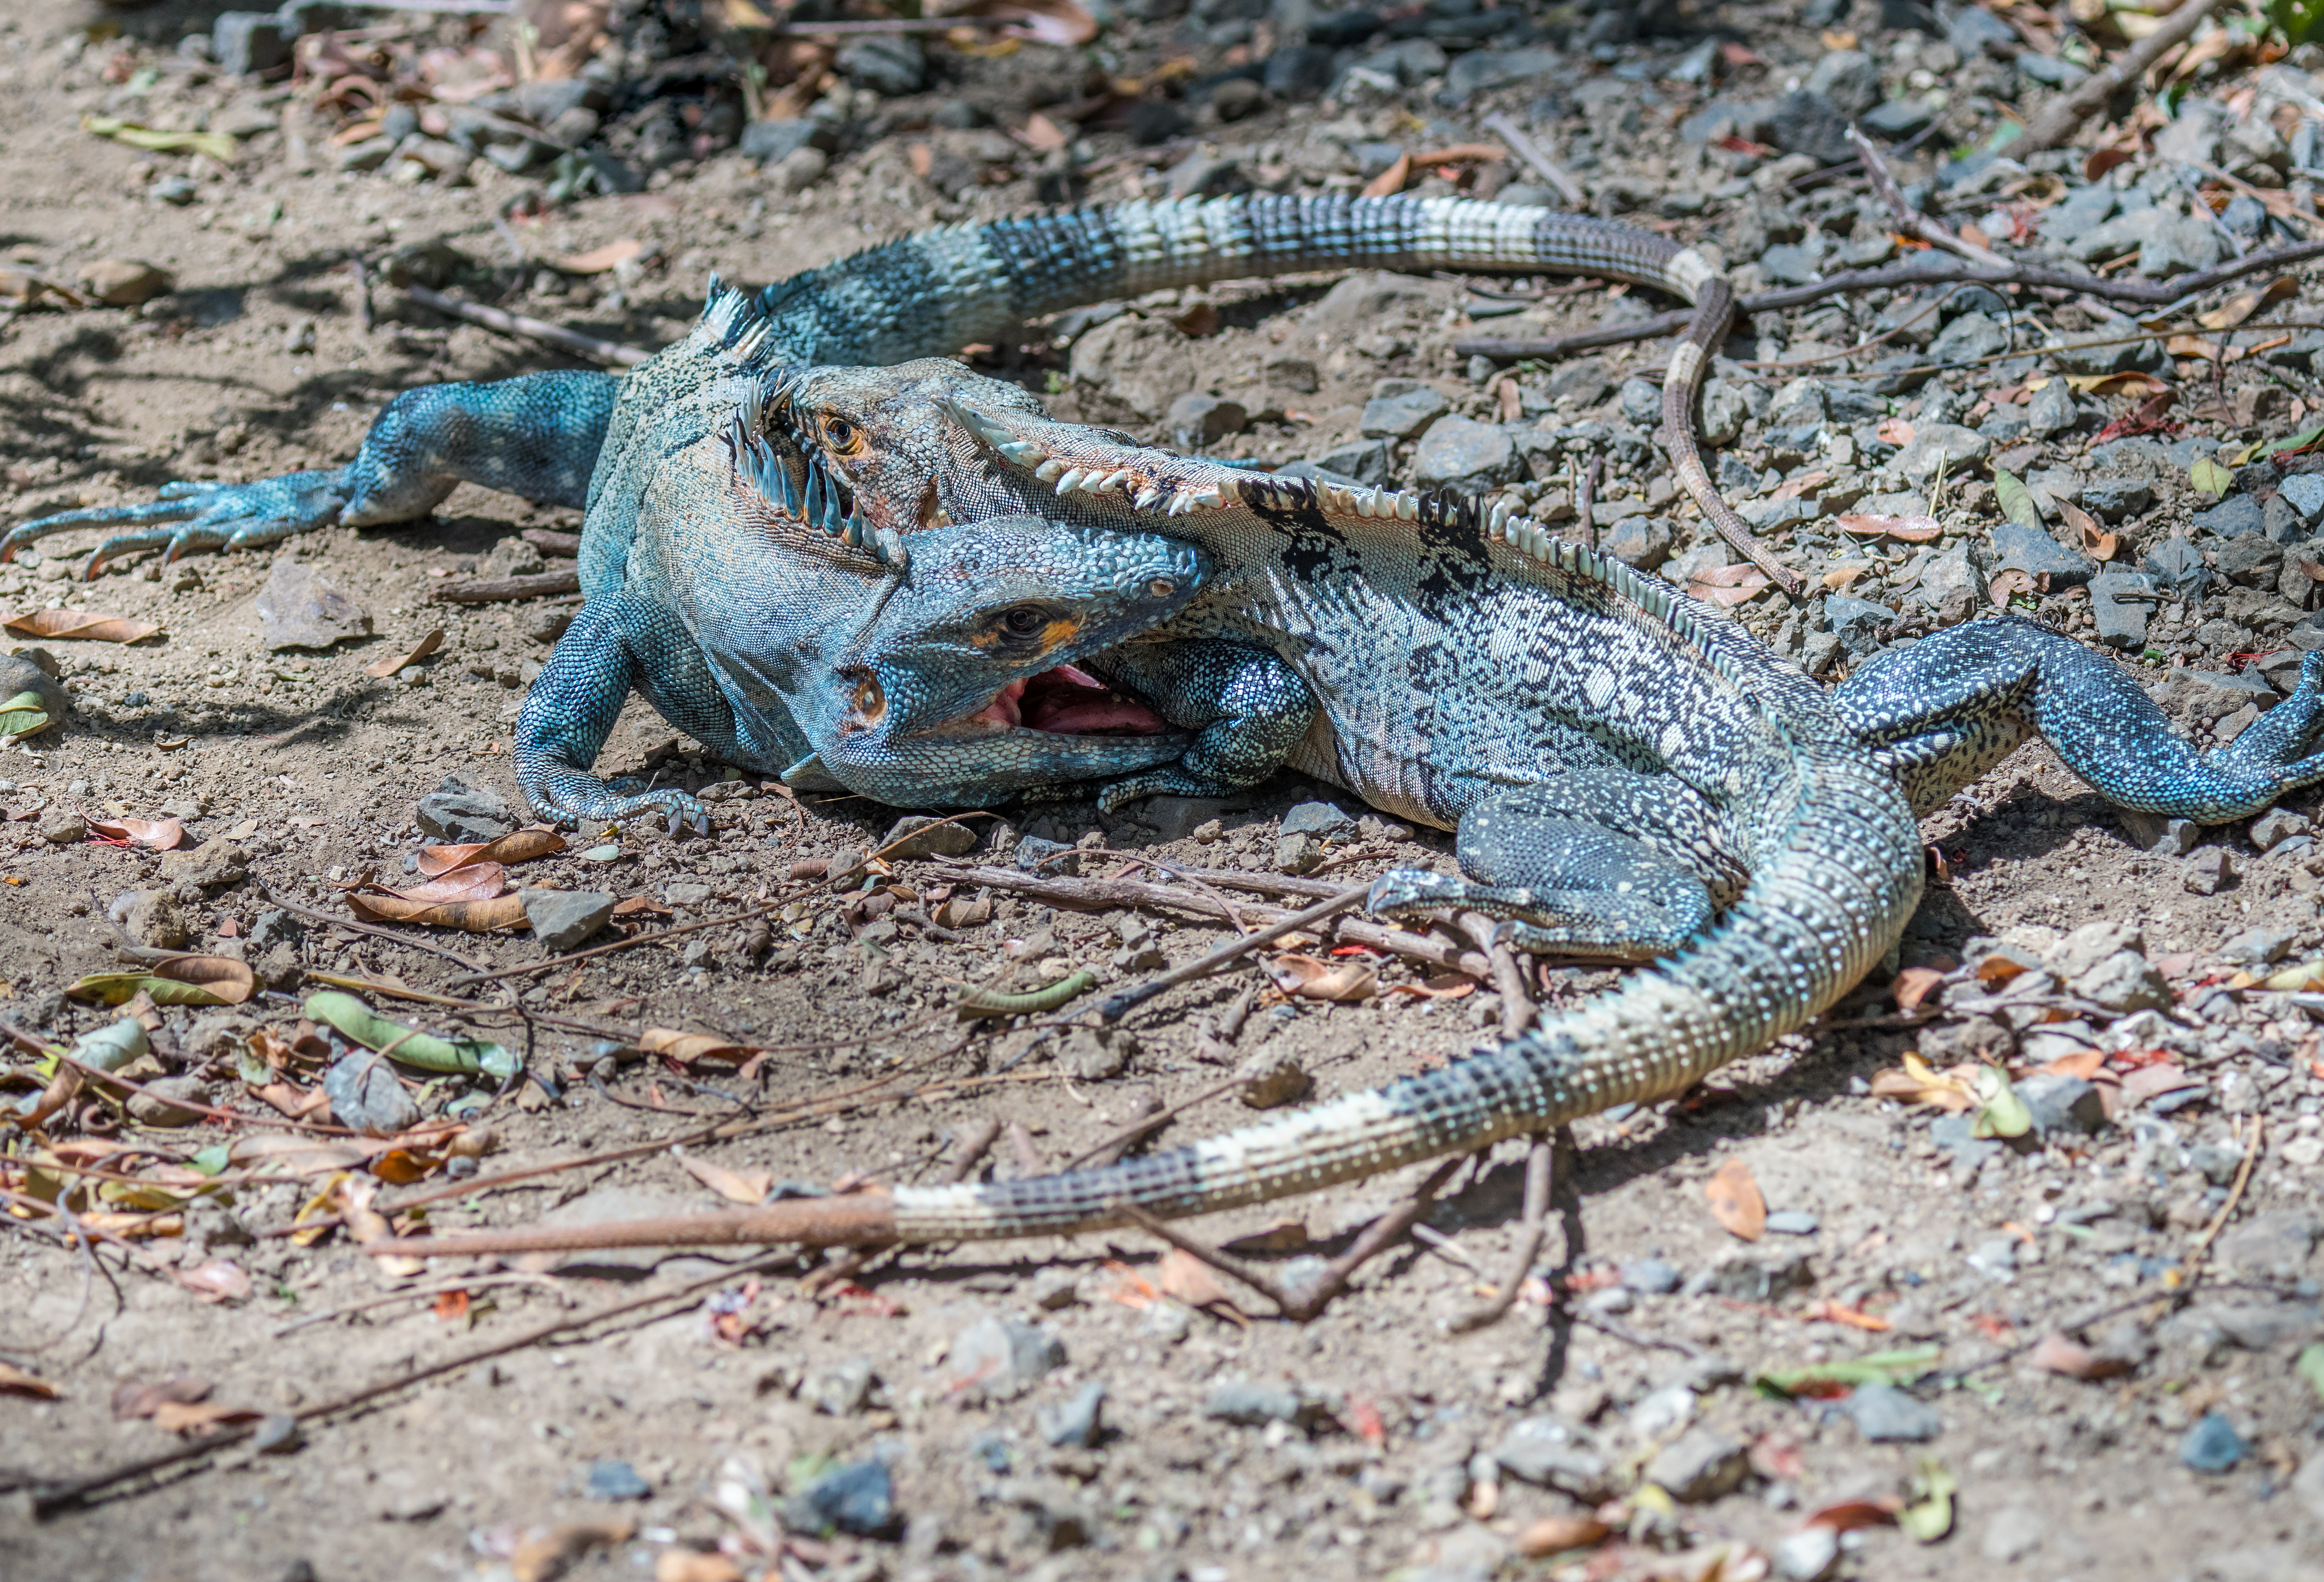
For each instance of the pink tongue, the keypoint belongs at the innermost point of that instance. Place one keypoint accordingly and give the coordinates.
(1002, 710)
(1116, 715)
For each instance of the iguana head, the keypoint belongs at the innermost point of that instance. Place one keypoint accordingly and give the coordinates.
(958, 684)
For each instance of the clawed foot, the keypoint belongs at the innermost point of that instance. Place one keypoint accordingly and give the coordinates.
(562, 799)
(1169, 781)
(1409, 890)
(200, 516)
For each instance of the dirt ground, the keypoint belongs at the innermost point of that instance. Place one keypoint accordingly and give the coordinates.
(310, 768)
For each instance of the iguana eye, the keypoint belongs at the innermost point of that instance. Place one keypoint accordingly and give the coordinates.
(1024, 621)
(841, 436)
(1161, 587)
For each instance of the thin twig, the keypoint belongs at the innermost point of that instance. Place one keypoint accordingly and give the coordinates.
(473, 1283)
(2066, 113)
(1530, 151)
(481, 976)
(1532, 1231)
(1120, 1004)
(973, 1146)
(1910, 219)
(517, 324)
(372, 929)
(2234, 1195)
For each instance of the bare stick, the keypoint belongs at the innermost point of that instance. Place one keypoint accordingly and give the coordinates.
(2066, 113)
(481, 976)
(517, 324)
(1508, 977)
(473, 1283)
(1119, 1005)
(2234, 1195)
(1585, 500)
(1528, 150)
(1029, 1154)
(1532, 1231)
(1910, 219)
(485, 590)
(973, 1146)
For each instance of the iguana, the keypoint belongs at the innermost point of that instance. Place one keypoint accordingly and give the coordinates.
(662, 456)
(1632, 774)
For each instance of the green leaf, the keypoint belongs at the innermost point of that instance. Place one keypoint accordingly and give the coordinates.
(1930, 1516)
(2016, 500)
(116, 989)
(2211, 478)
(2311, 1366)
(24, 715)
(2000, 1112)
(1879, 1368)
(408, 1046)
(211, 1161)
(2300, 442)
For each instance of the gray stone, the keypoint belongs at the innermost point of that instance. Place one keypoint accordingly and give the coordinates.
(1482, 70)
(1952, 584)
(1970, 335)
(843, 1389)
(1793, 1222)
(1460, 453)
(2304, 493)
(1698, 1467)
(1098, 1054)
(1074, 1422)
(279, 1434)
(163, 1101)
(1898, 119)
(859, 1498)
(1860, 624)
(2275, 1245)
(801, 168)
(365, 1095)
(1651, 1276)
(2210, 871)
(2209, 695)
(1248, 1405)
(1884, 1414)
(2232, 517)
(1204, 175)
(1299, 73)
(1973, 30)
(248, 42)
(1403, 416)
(1366, 461)
(150, 917)
(1036, 855)
(2178, 567)
(888, 64)
(920, 834)
(2121, 603)
(2051, 565)
(1583, 383)
(2052, 409)
(1946, 446)
(998, 1355)
(2061, 1105)
(1177, 818)
(2014, 1533)
(1298, 853)
(2212, 1445)
(1197, 420)
(2089, 945)
(463, 812)
(616, 1480)
(2259, 944)
(1642, 399)
(771, 141)
(1809, 123)
(1643, 541)
(1850, 78)
(2124, 981)
(1318, 818)
(215, 864)
(300, 608)
(1808, 1555)
(1791, 263)
(1548, 1454)
(2152, 832)
(2272, 829)
(2113, 498)
(562, 919)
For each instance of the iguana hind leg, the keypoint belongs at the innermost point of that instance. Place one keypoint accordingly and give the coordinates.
(1595, 862)
(1943, 711)
(537, 436)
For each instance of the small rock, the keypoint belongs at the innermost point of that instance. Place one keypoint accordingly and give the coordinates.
(365, 1095)
(919, 835)
(1659, 1412)
(1463, 454)
(770, 141)
(2259, 944)
(1403, 416)
(300, 608)
(1793, 1222)
(2152, 832)
(248, 42)
(1197, 420)
(801, 168)
(279, 1434)
(1698, 1467)
(2063, 1106)
(843, 1389)
(888, 64)
(1048, 857)
(162, 1102)
(2274, 828)
(1546, 1453)
(2050, 564)
(1643, 541)
(1884, 1414)
(1272, 1079)
(1003, 1355)
(1298, 853)
(2212, 1445)
(1946, 446)
(617, 1480)
(1808, 1555)
(562, 919)
(1651, 1276)
(1098, 1054)
(1074, 1422)
(2210, 871)
(1322, 818)
(1251, 1406)
(859, 1499)
(2121, 603)
(123, 282)
(2124, 982)
(215, 864)
(463, 812)
(150, 917)
(63, 828)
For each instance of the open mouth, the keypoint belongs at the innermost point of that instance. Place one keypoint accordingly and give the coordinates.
(1067, 702)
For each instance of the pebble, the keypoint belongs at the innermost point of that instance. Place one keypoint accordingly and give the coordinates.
(1074, 1422)
(1463, 454)
(279, 1434)
(2210, 871)
(1793, 1222)
(844, 1389)
(1248, 1405)
(1808, 1555)
(1547, 1453)
(562, 919)
(162, 1102)
(301, 607)
(2014, 1533)
(858, 1499)
(2212, 1445)
(919, 835)
(2274, 827)
(63, 828)
(366, 1096)
(1651, 1276)
(616, 1480)
(1659, 1412)
(461, 811)
(1885, 1414)
(996, 1355)
(1404, 415)
(2063, 1106)
(1698, 1467)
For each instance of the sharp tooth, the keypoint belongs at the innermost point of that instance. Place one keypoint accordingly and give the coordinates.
(812, 507)
(1148, 497)
(1360, 502)
(1213, 496)
(1408, 507)
(1069, 480)
(1118, 483)
(1500, 517)
(1181, 503)
(1335, 498)
(1024, 453)
(1051, 470)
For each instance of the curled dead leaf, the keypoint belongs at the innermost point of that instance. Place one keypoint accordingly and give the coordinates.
(2061, 1354)
(381, 669)
(2101, 544)
(156, 834)
(218, 1280)
(178, 980)
(1735, 1201)
(1729, 586)
(1910, 530)
(2008, 584)
(195, 1420)
(1554, 1535)
(1187, 1278)
(599, 260)
(473, 881)
(688, 1047)
(1894, 431)
(750, 1187)
(1852, 1515)
(1914, 984)
(1305, 977)
(1447, 986)
(521, 847)
(477, 917)
(16, 1381)
(79, 625)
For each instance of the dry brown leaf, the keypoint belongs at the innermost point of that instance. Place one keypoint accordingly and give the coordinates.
(1391, 181)
(1910, 530)
(2058, 1354)
(218, 1280)
(521, 847)
(1736, 1202)
(1554, 1535)
(1043, 135)
(1894, 431)
(81, 625)
(685, 1047)
(2153, 1082)
(1187, 1278)
(1914, 986)
(543, 1555)
(736, 1186)
(1729, 586)
(472, 882)
(16, 1381)
(2085, 1065)
(1916, 1083)
(2008, 584)
(598, 260)
(194, 1420)
(381, 669)
(2101, 544)
(1850, 1515)
(132, 1399)
(691, 1565)
(158, 834)
(477, 917)
(1306, 978)
(1445, 985)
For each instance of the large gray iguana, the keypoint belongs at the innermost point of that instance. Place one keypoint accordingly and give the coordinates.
(701, 591)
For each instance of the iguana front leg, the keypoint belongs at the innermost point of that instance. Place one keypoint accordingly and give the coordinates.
(537, 436)
(1945, 710)
(1249, 708)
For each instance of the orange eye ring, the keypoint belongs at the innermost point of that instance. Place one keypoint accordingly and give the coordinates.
(841, 437)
